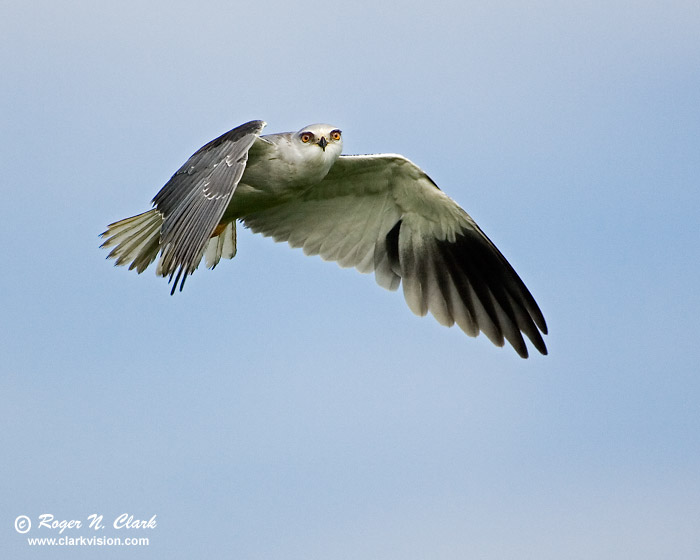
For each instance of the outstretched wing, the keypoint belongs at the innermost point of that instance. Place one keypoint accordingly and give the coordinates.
(383, 213)
(193, 201)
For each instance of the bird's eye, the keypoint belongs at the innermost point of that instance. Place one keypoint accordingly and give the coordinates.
(335, 135)
(306, 137)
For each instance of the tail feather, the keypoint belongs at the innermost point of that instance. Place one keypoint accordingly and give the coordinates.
(136, 241)
(221, 245)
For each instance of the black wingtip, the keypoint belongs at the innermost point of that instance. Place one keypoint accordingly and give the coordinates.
(180, 278)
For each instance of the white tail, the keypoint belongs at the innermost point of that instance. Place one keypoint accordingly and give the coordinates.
(136, 242)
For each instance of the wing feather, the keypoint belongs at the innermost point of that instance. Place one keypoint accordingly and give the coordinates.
(383, 213)
(193, 202)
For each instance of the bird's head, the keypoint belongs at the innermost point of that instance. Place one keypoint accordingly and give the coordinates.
(323, 137)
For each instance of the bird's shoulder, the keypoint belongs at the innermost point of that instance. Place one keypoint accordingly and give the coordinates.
(410, 187)
(393, 169)
(247, 130)
(377, 162)
(233, 145)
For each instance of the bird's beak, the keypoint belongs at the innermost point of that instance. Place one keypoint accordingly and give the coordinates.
(323, 143)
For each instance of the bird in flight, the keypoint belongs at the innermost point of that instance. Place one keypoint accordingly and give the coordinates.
(378, 213)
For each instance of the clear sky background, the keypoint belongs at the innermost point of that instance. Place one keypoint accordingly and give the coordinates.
(284, 408)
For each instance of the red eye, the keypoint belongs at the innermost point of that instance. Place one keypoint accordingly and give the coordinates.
(306, 137)
(335, 135)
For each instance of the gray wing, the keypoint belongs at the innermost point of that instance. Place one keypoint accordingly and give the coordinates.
(193, 201)
(383, 213)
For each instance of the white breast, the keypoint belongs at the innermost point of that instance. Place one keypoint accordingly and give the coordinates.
(288, 163)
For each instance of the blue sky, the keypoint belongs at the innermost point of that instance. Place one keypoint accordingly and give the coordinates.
(281, 407)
